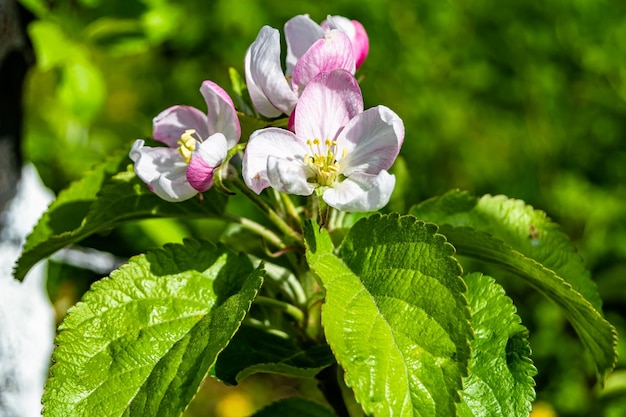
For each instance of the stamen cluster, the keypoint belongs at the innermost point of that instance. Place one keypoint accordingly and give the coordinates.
(325, 166)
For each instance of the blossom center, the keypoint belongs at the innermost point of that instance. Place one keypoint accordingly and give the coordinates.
(323, 161)
(187, 144)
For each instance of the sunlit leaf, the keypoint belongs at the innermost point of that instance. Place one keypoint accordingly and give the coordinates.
(456, 214)
(140, 342)
(52, 46)
(395, 314)
(500, 379)
(526, 230)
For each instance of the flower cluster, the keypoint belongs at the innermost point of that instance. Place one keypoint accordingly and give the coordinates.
(197, 144)
(333, 147)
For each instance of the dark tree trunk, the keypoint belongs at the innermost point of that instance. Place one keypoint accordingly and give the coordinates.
(16, 56)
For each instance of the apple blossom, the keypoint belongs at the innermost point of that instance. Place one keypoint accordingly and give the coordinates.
(335, 148)
(356, 33)
(197, 144)
(311, 49)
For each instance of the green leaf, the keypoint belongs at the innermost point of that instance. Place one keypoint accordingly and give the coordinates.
(140, 342)
(100, 201)
(82, 89)
(294, 407)
(500, 379)
(53, 48)
(598, 336)
(72, 204)
(526, 230)
(254, 350)
(395, 315)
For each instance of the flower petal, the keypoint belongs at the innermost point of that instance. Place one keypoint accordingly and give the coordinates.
(172, 122)
(209, 155)
(300, 32)
(289, 175)
(339, 22)
(221, 116)
(361, 192)
(371, 141)
(269, 90)
(164, 170)
(327, 104)
(355, 31)
(333, 51)
(279, 143)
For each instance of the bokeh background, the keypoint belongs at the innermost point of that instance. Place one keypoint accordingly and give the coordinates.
(524, 97)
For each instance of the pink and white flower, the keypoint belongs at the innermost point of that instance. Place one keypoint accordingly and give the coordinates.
(338, 43)
(197, 143)
(336, 148)
(356, 33)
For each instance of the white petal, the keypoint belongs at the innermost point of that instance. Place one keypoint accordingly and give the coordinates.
(289, 175)
(214, 149)
(269, 90)
(361, 192)
(171, 123)
(339, 22)
(300, 33)
(221, 115)
(164, 170)
(371, 141)
(263, 143)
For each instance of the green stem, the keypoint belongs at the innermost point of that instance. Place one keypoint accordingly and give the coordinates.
(283, 279)
(290, 309)
(292, 212)
(324, 210)
(257, 228)
(271, 214)
(257, 324)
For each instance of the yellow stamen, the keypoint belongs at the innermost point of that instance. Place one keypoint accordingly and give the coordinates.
(324, 165)
(187, 144)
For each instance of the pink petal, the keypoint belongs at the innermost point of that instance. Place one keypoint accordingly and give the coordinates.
(200, 174)
(269, 90)
(209, 155)
(164, 170)
(361, 192)
(276, 142)
(300, 32)
(172, 122)
(360, 43)
(222, 116)
(355, 31)
(327, 104)
(333, 51)
(371, 141)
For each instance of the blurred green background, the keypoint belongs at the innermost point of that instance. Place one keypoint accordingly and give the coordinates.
(524, 98)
